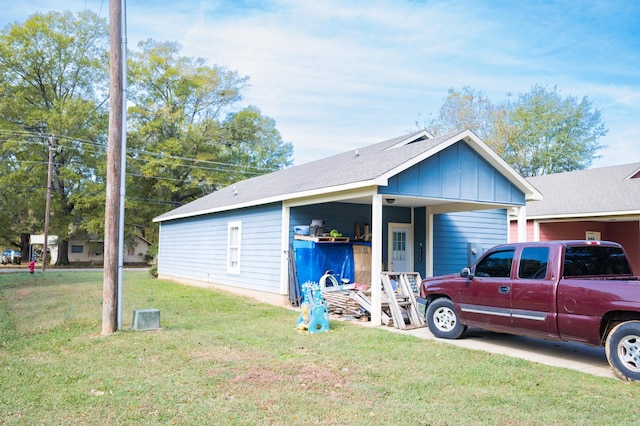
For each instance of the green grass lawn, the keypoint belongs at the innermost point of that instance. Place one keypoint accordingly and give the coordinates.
(223, 359)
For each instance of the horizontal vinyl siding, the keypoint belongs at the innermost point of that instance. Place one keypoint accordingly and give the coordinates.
(625, 233)
(196, 248)
(453, 232)
(550, 231)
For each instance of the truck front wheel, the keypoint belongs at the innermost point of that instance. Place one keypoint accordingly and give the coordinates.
(442, 319)
(623, 350)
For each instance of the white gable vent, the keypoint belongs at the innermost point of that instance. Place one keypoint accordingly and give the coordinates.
(418, 137)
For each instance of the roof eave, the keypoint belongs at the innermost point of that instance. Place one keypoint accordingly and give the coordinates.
(269, 200)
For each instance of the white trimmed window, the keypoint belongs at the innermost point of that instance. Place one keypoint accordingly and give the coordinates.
(233, 247)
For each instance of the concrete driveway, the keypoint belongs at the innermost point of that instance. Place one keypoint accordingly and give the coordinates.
(588, 359)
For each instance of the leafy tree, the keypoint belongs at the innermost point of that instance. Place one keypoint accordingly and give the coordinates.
(547, 133)
(184, 140)
(253, 145)
(53, 85)
(465, 109)
(181, 144)
(539, 132)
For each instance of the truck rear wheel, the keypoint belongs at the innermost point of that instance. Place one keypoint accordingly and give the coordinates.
(442, 319)
(623, 350)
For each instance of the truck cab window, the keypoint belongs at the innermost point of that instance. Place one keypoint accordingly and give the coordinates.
(533, 263)
(497, 264)
(595, 260)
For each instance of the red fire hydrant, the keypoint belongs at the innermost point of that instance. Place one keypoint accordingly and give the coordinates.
(32, 266)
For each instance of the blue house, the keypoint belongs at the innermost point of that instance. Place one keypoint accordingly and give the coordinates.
(426, 204)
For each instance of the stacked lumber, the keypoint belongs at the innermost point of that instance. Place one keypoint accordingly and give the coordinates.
(341, 303)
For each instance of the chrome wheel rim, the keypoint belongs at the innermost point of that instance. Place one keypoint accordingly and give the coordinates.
(444, 319)
(629, 352)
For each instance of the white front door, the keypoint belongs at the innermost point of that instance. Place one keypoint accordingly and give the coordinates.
(400, 257)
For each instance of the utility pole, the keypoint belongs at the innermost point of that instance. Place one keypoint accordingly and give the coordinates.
(47, 207)
(114, 170)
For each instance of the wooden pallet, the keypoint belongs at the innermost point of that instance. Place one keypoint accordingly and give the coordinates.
(402, 299)
(364, 301)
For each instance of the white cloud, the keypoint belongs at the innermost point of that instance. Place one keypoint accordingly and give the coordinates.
(336, 75)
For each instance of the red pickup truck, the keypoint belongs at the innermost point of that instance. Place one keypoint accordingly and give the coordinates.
(579, 291)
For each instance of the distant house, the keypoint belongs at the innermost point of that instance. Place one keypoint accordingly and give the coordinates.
(594, 204)
(429, 204)
(37, 244)
(90, 249)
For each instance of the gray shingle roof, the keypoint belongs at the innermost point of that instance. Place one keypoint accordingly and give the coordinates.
(355, 168)
(605, 191)
(337, 170)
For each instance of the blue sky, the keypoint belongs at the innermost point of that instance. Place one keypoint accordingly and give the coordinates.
(338, 74)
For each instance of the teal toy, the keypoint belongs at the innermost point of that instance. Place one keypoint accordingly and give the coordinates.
(314, 312)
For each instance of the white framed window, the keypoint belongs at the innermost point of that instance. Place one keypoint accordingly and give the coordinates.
(234, 236)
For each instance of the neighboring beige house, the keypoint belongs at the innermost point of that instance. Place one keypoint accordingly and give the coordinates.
(91, 250)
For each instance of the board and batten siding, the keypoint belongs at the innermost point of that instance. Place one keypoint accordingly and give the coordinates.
(455, 233)
(457, 173)
(196, 248)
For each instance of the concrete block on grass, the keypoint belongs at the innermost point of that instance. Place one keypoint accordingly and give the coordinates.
(145, 319)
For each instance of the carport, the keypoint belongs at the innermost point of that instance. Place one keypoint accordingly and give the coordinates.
(456, 177)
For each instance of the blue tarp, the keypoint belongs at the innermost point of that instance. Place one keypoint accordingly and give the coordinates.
(314, 259)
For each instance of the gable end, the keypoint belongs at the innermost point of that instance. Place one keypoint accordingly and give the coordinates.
(459, 173)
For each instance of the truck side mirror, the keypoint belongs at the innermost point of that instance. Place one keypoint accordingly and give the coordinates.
(466, 273)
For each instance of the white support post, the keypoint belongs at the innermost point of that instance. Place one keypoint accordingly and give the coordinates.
(376, 259)
(522, 224)
(284, 249)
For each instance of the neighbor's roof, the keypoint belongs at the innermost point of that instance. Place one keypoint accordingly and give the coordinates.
(365, 167)
(602, 191)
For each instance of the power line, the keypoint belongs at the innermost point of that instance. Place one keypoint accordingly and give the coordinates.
(133, 151)
(18, 162)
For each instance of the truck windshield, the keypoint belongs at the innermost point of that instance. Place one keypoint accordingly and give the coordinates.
(595, 260)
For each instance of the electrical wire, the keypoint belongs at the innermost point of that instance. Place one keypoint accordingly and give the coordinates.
(67, 142)
(132, 151)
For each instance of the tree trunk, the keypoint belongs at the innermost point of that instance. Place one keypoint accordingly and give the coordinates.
(63, 253)
(25, 247)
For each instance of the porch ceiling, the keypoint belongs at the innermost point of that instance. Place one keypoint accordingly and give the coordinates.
(404, 201)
